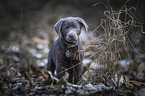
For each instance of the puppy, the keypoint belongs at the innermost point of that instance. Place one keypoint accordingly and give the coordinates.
(66, 52)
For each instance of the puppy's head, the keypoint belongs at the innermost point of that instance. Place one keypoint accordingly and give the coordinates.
(70, 28)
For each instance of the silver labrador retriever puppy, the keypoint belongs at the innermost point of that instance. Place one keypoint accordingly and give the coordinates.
(66, 52)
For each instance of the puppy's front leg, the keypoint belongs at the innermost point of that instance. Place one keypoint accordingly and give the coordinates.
(74, 74)
(78, 72)
(71, 75)
(59, 71)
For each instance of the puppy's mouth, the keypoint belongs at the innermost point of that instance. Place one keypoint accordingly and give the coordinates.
(71, 40)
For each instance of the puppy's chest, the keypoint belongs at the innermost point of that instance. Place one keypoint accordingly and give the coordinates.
(69, 62)
(72, 53)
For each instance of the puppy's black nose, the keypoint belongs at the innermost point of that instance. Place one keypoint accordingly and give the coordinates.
(72, 35)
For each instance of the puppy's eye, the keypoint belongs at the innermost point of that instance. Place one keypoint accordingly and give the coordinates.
(66, 27)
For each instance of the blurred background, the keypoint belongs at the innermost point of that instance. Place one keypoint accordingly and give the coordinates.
(26, 18)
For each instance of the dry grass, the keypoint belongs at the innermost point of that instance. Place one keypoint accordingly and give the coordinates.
(112, 45)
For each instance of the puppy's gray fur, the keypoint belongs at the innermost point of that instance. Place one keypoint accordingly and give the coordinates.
(66, 52)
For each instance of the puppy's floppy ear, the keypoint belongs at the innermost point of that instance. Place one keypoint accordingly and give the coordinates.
(83, 23)
(58, 26)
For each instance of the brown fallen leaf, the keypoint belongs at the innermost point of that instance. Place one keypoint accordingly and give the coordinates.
(35, 69)
(136, 83)
(44, 75)
(8, 73)
(63, 80)
(129, 85)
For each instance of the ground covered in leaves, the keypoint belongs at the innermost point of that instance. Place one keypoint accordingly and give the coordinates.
(23, 72)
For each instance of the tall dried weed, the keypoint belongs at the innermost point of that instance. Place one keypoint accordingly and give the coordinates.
(112, 45)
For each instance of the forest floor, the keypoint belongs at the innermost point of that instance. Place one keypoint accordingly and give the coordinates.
(23, 72)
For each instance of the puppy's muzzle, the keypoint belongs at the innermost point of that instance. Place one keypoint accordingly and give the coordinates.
(71, 37)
